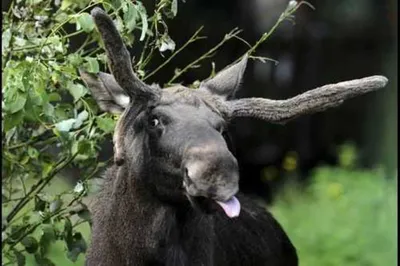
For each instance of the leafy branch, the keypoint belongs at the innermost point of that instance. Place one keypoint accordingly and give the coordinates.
(39, 186)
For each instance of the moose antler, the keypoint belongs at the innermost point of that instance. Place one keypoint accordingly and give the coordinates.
(119, 58)
(316, 100)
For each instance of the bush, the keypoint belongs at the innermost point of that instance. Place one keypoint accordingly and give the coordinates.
(345, 217)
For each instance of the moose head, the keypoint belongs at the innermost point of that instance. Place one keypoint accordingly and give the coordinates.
(174, 140)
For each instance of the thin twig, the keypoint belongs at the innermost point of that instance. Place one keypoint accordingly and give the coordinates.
(191, 40)
(284, 16)
(206, 55)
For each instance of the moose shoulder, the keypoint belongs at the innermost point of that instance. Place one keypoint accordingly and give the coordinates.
(171, 196)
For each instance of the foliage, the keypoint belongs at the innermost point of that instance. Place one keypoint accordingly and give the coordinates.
(347, 216)
(49, 120)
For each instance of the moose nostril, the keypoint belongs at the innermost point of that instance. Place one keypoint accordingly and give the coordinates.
(186, 178)
(186, 172)
(194, 169)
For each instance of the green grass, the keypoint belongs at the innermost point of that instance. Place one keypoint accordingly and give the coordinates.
(345, 218)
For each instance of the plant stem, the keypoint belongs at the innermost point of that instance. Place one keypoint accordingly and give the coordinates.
(39, 186)
(206, 55)
(191, 40)
(285, 15)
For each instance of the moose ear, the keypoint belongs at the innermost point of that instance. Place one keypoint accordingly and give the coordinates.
(226, 82)
(105, 90)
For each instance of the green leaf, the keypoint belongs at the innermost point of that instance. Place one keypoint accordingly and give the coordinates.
(77, 246)
(6, 38)
(77, 90)
(106, 124)
(82, 116)
(119, 23)
(82, 146)
(40, 204)
(75, 59)
(85, 22)
(143, 17)
(55, 205)
(67, 232)
(21, 261)
(67, 228)
(130, 16)
(63, 111)
(42, 261)
(84, 215)
(33, 153)
(66, 125)
(48, 109)
(18, 103)
(92, 65)
(116, 4)
(30, 244)
(65, 4)
(174, 7)
(48, 237)
(24, 160)
(46, 168)
(17, 231)
(18, 41)
(12, 120)
(54, 97)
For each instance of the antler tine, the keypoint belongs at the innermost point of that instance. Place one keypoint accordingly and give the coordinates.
(119, 58)
(319, 99)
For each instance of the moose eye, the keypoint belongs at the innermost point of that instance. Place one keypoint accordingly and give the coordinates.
(154, 122)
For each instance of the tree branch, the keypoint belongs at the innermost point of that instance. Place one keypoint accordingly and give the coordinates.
(232, 34)
(39, 186)
(192, 39)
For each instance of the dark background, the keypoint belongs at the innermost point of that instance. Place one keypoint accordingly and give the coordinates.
(340, 40)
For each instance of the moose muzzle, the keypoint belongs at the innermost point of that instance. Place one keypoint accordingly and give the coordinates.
(211, 171)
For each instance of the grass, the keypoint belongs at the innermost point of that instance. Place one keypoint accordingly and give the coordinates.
(345, 217)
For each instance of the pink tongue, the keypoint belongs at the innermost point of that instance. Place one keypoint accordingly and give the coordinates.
(231, 207)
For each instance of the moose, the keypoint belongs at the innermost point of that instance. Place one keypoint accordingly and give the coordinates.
(171, 196)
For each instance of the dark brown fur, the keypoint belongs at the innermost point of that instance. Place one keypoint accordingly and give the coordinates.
(172, 165)
(132, 227)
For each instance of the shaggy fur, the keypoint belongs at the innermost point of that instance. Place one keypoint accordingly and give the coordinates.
(132, 226)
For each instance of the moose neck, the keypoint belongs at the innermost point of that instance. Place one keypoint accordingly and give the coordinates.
(169, 224)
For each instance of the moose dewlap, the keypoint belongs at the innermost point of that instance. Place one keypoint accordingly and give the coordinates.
(171, 197)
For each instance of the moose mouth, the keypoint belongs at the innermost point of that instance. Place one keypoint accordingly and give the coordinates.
(201, 196)
(231, 207)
